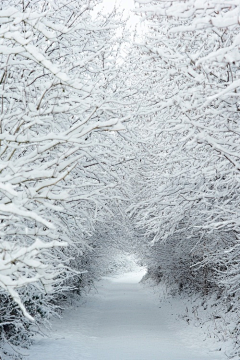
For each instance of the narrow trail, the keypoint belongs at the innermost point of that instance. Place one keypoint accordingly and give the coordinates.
(122, 321)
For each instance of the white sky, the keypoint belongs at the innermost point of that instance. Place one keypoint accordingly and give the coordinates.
(125, 5)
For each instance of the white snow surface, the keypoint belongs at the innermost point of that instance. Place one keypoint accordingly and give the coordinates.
(123, 320)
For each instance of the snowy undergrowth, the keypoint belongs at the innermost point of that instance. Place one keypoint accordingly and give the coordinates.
(219, 320)
(215, 321)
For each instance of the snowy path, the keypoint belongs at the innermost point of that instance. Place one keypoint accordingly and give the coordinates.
(123, 321)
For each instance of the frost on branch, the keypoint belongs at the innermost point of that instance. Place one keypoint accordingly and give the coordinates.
(20, 266)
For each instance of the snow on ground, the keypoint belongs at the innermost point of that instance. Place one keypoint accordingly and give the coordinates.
(123, 320)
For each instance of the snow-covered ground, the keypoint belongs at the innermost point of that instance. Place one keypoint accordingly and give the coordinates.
(124, 320)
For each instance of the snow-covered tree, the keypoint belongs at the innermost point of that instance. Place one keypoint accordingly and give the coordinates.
(190, 61)
(62, 94)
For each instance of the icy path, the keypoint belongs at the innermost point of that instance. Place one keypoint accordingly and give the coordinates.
(123, 321)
